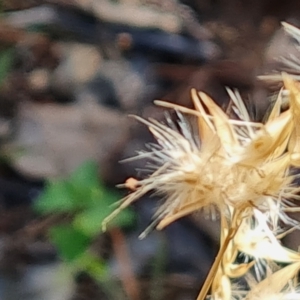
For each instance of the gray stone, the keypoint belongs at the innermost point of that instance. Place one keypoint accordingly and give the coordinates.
(57, 138)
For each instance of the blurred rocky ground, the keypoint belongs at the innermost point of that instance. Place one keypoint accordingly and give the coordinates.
(78, 68)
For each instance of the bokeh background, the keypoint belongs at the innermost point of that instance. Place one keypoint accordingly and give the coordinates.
(71, 71)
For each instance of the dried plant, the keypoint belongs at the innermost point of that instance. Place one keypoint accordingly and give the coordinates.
(242, 170)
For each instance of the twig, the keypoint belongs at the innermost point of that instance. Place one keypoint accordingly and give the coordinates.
(128, 279)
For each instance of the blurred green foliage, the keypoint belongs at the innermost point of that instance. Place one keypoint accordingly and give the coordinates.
(86, 201)
(6, 62)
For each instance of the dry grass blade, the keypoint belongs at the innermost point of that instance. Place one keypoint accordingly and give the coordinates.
(294, 96)
(275, 112)
(258, 242)
(274, 283)
(213, 270)
(206, 128)
(222, 125)
(234, 227)
(238, 270)
(291, 30)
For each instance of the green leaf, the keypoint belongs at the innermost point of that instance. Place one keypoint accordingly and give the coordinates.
(125, 218)
(70, 242)
(85, 196)
(85, 185)
(56, 198)
(90, 221)
(109, 196)
(6, 59)
(85, 176)
(93, 265)
(81, 190)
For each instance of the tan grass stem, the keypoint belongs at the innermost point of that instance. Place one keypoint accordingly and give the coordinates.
(212, 273)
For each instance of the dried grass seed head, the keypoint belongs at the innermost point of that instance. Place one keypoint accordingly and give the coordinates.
(229, 163)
